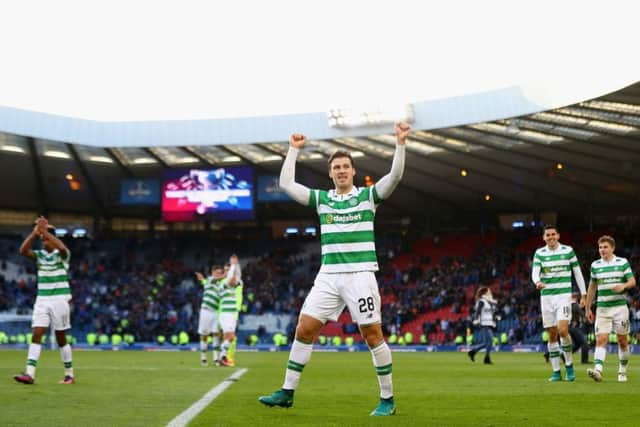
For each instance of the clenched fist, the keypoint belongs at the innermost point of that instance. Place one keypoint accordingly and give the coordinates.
(402, 131)
(297, 140)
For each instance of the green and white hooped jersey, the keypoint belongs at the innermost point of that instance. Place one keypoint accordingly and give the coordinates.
(211, 295)
(555, 269)
(228, 297)
(346, 229)
(606, 275)
(53, 279)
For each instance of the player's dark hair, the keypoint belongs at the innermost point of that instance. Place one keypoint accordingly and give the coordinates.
(338, 154)
(550, 227)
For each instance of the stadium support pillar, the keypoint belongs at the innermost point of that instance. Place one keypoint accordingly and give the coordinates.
(40, 188)
(590, 210)
(93, 189)
(536, 210)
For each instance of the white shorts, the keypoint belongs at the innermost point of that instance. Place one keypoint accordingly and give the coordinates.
(228, 321)
(52, 311)
(332, 291)
(612, 319)
(554, 309)
(208, 322)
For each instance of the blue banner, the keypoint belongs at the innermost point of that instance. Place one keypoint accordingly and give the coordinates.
(139, 192)
(270, 191)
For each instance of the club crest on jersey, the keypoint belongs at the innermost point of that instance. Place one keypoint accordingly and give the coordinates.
(353, 202)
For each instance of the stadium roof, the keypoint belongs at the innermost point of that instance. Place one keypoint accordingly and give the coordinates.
(581, 158)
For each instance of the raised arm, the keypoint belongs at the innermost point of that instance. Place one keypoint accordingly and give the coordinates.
(25, 247)
(297, 192)
(238, 269)
(389, 182)
(57, 243)
(201, 279)
(234, 270)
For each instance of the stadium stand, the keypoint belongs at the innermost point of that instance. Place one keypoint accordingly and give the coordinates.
(146, 287)
(461, 217)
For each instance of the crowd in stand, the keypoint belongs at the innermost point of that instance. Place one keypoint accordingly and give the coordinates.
(451, 283)
(147, 287)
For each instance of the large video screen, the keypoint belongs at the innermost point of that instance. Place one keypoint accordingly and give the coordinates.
(216, 194)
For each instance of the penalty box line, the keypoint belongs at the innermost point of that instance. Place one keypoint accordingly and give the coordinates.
(185, 417)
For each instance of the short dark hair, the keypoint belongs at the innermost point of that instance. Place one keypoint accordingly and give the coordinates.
(338, 154)
(550, 227)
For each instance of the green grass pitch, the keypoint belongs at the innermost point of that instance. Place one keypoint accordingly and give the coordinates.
(440, 389)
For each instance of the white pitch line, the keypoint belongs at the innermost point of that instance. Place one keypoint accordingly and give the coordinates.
(124, 368)
(184, 418)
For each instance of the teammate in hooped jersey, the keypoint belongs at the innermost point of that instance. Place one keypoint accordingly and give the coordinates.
(611, 277)
(218, 311)
(229, 309)
(553, 266)
(346, 275)
(51, 308)
(209, 318)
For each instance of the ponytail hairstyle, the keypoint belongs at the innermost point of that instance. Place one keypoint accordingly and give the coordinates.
(482, 291)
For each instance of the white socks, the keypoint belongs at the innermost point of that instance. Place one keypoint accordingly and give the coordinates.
(32, 359)
(554, 355)
(225, 348)
(34, 354)
(623, 357)
(567, 348)
(298, 358)
(381, 356)
(203, 350)
(598, 358)
(65, 355)
(216, 347)
(301, 353)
